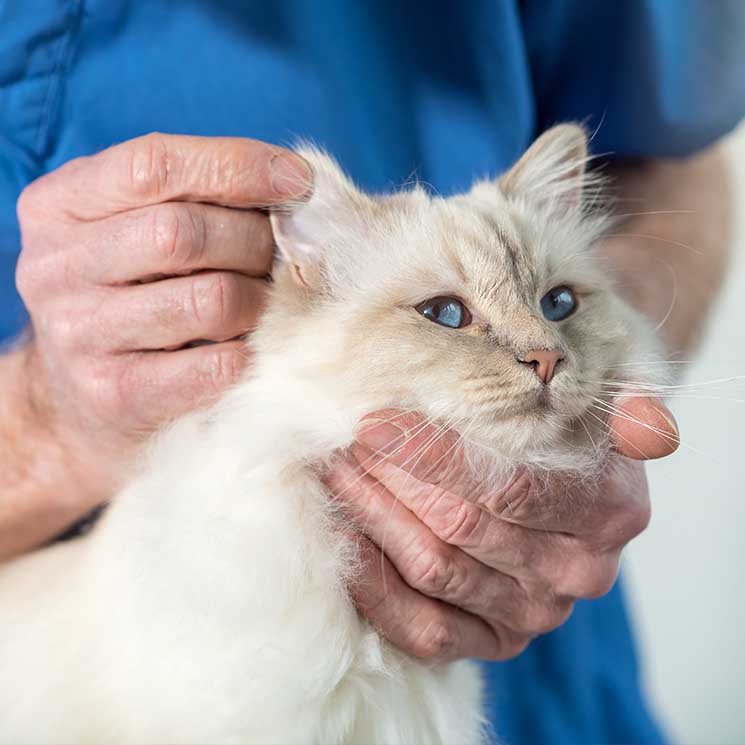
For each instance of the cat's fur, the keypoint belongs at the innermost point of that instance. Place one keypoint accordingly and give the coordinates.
(210, 603)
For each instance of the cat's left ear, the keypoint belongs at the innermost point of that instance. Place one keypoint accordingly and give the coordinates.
(305, 232)
(553, 171)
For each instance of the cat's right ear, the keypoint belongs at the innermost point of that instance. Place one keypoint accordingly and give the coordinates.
(553, 171)
(297, 247)
(305, 232)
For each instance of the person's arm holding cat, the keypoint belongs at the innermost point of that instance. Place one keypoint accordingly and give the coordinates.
(519, 559)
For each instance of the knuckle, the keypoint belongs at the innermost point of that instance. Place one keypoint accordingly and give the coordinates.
(27, 278)
(63, 328)
(623, 525)
(216, 299)
(40, 196)
(436, 572)
(638, 520)
(28, 201)
(599, 584)
(534, 619)
(513, 500)
(514, 647)
(102, 387)
(44, 273)
(227, 367)
(437, 640)
(462, 525)
(541, 618)
(149, 166)
(590, 577)
(176, 235)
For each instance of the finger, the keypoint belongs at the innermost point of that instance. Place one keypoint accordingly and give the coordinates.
(425, 561)
(435, 481)
(643, 429)
(430, 565)
(419, 625)
(428, 451)
(404, 444)
(453, 520)
(520, 577)
(229, 171)
(159, 386)
(176, 238)
(210, 306)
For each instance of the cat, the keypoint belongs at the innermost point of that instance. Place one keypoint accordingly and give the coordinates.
(210, 603)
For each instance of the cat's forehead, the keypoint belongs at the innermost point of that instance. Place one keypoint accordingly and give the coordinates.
(481, 246)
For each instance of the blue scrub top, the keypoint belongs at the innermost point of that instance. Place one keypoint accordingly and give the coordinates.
(442, 90)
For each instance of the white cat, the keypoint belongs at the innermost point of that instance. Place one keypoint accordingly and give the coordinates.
(209, 605)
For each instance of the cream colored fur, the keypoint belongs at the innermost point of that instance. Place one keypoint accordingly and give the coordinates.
(209, 605)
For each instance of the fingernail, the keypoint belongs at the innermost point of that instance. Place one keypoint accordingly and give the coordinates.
(291, 175)
(380, 435)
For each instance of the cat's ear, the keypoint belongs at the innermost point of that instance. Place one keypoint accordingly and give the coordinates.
(553, 171)
(305, 231)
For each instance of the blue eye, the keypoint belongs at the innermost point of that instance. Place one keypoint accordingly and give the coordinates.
(558, 304)
(447, 311)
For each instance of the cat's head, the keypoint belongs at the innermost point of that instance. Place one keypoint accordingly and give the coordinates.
(489, 310)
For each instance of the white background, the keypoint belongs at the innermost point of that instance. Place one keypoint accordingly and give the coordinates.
(686, 574)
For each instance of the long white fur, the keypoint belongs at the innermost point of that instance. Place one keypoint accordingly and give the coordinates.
(210, 603)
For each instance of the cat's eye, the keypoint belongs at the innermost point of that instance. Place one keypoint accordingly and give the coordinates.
(558, 304)
(447, 311)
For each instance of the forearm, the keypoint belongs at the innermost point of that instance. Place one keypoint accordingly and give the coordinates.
(671, 251)
(37, 481)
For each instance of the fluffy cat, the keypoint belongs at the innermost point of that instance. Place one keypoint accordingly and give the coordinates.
(209, 605)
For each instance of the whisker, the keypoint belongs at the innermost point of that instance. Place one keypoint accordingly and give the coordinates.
(585, 427)
(674, 297)
(674, 396)
(655, 212)
(655, 238)
(668, 386)
(377, 456)
(419, 453)
(655, 362)
(659, 432)
(607, 426)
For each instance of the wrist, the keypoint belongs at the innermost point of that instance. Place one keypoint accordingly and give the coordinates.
(43, 489)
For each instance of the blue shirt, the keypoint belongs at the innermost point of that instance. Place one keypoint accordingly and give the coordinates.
(443, 90)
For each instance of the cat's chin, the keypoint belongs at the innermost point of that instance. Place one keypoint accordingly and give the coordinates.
(543, 436)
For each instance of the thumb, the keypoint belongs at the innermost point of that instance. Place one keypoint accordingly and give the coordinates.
(643, 428)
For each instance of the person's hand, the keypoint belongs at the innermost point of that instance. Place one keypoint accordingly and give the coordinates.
(454, 570)
(128, 257)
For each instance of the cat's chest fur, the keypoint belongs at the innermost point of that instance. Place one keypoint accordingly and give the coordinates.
(251, 619)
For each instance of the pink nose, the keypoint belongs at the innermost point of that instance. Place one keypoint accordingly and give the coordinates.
(544, 362)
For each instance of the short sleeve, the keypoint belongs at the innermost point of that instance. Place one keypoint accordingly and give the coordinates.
(654, 77)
